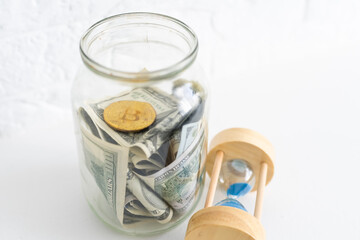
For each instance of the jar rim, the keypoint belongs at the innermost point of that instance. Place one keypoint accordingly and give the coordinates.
(155, 75)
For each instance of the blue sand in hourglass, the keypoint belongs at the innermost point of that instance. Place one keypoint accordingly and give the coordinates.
(234, 191)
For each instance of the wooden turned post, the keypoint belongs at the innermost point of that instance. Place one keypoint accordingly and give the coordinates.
(214, 178)
(260, 190)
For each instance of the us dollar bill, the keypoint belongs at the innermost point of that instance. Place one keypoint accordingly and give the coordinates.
(148, 198)
(181, 139)
(188, 135)
(174, 141)
(135, 213)
(88, 122)
(177, 183)
(133, 207)
(107, 163)
(154, 163)
(170, 113)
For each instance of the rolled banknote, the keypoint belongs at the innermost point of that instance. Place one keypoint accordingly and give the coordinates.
(135, 213)
(139, 159)
(177, 182)
(175, 141)
(134, 207)
(148, 198)
(195, 95)
(188, 135)
(179, 141)
(188, 92)
(155, 162)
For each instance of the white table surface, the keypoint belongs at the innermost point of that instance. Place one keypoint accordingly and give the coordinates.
(290, 71)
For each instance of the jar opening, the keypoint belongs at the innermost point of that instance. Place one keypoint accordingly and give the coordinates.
(139, 47)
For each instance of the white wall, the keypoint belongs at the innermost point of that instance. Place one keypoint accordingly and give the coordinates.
(39, 44)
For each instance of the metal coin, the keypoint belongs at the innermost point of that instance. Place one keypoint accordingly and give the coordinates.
(129, 116)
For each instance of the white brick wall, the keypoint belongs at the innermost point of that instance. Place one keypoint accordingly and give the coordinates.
(39, 54)
(39, 43)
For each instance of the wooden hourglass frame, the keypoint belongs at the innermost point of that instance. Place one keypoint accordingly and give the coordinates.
(222, 222)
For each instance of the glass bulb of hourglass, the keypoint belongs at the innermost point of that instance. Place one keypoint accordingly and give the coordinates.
(238, 177)
(236, 171)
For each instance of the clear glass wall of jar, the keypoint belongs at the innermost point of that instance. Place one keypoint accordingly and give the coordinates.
(148, 179)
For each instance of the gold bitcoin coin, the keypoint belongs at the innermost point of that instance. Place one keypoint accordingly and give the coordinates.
(129, 116)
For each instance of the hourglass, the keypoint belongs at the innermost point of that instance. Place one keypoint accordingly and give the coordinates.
(243, 161)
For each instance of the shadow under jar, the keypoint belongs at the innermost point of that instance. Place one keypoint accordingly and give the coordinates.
(145, 180)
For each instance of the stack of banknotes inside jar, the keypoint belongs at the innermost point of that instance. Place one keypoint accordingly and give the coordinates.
(144, 150)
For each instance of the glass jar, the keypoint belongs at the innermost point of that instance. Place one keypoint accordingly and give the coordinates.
(140, 110)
